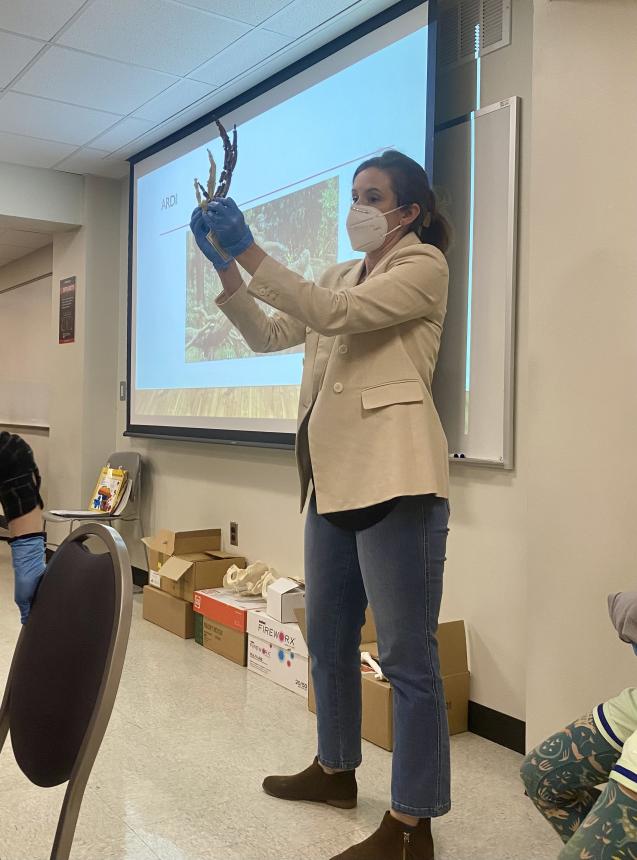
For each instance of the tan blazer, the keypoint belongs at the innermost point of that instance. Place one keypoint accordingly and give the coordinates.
(368, 429)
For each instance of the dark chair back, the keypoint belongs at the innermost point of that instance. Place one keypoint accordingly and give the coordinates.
(67, 667)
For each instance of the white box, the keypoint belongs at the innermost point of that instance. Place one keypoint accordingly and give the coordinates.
(285, 596)
(288, 636)
(280, 665)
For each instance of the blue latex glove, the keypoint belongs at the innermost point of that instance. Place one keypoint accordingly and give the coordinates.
(208, 244)
(226, 221)
(29, 561)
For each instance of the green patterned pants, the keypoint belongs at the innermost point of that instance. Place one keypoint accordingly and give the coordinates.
(562, 776)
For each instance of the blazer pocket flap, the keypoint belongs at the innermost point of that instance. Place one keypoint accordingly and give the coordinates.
(408, 391)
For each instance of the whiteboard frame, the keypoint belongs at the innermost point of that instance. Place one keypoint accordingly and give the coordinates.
(511, 294)
(508, 455)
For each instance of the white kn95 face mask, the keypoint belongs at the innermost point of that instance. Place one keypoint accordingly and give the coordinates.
(367, 227)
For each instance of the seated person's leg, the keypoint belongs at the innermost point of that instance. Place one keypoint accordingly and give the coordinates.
(562, 773)
(610, 830)
(22, 505)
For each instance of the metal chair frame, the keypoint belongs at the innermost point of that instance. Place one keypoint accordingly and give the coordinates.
(107, 693)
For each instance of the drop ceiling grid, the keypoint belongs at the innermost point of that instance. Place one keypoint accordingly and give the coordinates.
(85, 84)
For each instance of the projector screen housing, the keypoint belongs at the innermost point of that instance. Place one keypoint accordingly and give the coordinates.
(166, 371)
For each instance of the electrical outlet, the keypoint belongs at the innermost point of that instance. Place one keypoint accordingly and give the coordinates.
(234, 534)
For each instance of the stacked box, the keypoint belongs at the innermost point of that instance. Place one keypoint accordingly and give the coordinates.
(377, 697)
(221, 622)
(179, 564)
(277, 651)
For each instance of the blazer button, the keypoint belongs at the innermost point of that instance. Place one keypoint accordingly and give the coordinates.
(337, 387)
(261, 291)
(343, 348)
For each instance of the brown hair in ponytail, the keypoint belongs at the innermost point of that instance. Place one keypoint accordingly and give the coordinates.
(411, 185)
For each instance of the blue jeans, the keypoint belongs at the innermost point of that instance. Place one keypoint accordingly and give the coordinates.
(398, 565)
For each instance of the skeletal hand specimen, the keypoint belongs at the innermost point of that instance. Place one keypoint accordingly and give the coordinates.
(229, 164)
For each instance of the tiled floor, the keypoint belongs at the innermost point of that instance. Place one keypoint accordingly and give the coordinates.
(179, 773)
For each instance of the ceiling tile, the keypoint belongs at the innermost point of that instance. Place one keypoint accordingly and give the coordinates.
(15, 53)
(39, 18)
(303, 15)
(159, 34)
(24, 238)
(177, 122)
(95, 162)
(121, 134)
(173, 100)
(89, 81)
(30, 151)
(250, 11)
(251, 49)
(50, 120)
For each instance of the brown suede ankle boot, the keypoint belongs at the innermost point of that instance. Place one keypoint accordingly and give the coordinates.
(313, 784)
(394, 841)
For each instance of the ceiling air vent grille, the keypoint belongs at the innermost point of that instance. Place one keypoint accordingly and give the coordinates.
(462, 23)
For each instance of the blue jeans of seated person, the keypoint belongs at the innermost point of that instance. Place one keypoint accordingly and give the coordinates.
(398, 565)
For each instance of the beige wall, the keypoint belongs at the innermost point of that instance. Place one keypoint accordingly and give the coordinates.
(84, 373)
(26, 268)
(16, 306)
(582, 415)
(40, 194)
(486, 568)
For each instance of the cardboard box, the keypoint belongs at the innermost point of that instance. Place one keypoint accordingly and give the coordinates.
(377, 723)
(182, 575)
(277, 651)
(285, 596)
(457, 698)
(226, 608)
(289, 636)
(168, 612)
(279, 664)
(165, 543)
(368, 633)
(228, 643)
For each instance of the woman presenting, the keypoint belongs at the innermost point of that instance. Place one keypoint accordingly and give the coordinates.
(370, 442)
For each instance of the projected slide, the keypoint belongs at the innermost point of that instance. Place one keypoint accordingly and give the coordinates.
(298, 148)
(310, 246)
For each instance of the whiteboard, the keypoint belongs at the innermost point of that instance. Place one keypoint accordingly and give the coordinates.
(25, 354)
(476, 173)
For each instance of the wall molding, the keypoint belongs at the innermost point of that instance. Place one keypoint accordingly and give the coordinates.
(495, 726)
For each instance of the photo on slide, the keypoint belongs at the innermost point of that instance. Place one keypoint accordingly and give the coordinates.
(300, 230)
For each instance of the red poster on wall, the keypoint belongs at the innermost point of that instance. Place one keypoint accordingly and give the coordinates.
(67, 310)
